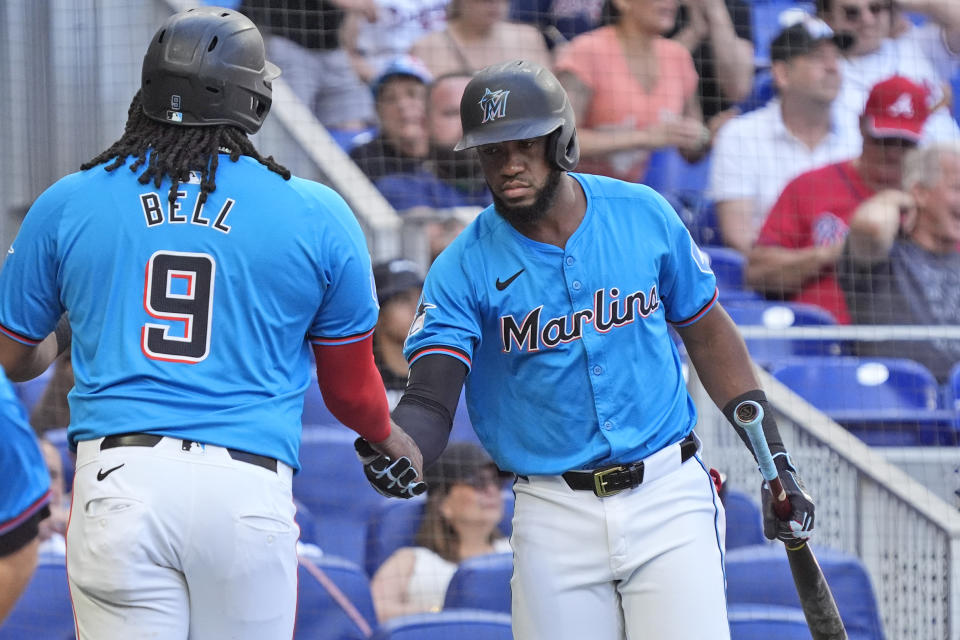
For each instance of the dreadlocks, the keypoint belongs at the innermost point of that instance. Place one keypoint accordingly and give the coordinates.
(176, 150)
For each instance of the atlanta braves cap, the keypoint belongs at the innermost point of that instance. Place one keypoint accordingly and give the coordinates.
(396, 276)
(401, 66)
(801, 33)
(897, 108)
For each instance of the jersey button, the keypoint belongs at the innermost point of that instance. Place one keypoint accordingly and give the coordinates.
(607, 425)
(576, 285)
(570, 261)
(597, 370)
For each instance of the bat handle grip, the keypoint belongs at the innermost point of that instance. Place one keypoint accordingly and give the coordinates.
(749, 417)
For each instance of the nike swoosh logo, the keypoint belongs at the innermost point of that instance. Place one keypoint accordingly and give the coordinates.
(506, 283)
(103, 474)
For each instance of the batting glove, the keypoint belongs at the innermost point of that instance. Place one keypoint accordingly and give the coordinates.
(799, 527)
(391, 478)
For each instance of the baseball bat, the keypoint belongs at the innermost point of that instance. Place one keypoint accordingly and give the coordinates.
(819, 607)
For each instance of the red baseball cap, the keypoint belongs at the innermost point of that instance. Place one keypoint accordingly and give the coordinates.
(897, 108)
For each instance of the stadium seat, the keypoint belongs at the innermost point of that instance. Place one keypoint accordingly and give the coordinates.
(780, 315)
(332, 486)
(482, 582)
(394, 524)
(728, 265)
(684, 187)
(333, 600)
(44, 610)
(951, 394)
(766, 622)
(447, 625)
(883, 401)
(760, 93)
(761, 575)
(744, 520)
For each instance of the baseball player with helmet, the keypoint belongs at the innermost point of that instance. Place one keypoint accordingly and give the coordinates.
(196, 275)
(24, 497)
(555, 306)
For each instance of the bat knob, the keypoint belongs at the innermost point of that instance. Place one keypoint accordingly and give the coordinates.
(747, 412)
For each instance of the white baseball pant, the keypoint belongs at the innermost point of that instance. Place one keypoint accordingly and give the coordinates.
(644, 564)
(177, 544)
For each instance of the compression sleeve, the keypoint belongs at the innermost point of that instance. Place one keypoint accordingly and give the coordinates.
(426, 409)
(352, 387)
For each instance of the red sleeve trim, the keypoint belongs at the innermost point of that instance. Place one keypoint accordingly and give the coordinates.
(459, 354)
(40, 503)
(19, 338)
(699, 314)
(321, 340)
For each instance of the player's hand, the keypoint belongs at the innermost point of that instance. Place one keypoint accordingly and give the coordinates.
(799, 527)
(393, 466)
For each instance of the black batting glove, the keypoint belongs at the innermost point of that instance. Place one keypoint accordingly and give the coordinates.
(391, 478)
(799, 527)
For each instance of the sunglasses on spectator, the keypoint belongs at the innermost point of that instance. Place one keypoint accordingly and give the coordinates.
(855, 14)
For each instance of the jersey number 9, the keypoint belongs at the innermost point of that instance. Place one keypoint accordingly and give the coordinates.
(179, 291)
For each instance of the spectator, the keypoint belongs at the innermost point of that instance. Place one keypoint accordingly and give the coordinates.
(464, 507)
(757, 154)
(373, 43)
(874, 56)
(401, 145)
(24, 498)
(398, 285)
(632, 90)
(305, 43)
(478, 34)
(559, 20)
(802, 237)
(901, 264)
(447, 179)
(718, 34)
(53, 529)
(938, 38)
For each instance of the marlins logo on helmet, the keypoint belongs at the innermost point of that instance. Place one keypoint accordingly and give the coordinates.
(494, 104)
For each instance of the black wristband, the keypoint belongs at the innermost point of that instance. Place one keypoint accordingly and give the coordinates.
(770, 431)
(63, 334)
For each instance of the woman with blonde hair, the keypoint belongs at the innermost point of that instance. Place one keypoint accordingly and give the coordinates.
(464, 506)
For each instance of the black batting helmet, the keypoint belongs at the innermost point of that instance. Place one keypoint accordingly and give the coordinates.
(519, 100)
(207, 66)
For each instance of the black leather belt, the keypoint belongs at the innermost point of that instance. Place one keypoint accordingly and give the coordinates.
(614, 479)
(151, 440)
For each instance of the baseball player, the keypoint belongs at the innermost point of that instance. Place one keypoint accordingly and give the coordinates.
(24, 497)
(555, 305)
(197, 275)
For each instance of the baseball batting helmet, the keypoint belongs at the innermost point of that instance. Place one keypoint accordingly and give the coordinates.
(519, 100)
(207, 66)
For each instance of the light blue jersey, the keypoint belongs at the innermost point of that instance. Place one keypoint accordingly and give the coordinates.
(24, 480)
(571, 364)
(188, 321)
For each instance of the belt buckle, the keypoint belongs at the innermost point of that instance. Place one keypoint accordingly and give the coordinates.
(600, 484)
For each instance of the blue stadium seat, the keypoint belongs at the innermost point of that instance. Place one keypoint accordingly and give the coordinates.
(744, 520)
(447, 625)
(761, 92)
(482, 582)
(766, 622)
(394, 524)
(761, 575)
(728, 265)
(307, 522)
(951, 394)
(44, 611)
(779, 315)
(684, 187)
(319, 614)
(331, 484)
(883, 401)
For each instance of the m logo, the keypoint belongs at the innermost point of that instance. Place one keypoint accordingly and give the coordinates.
(494, 104)
(175, 102)
(902, 108)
